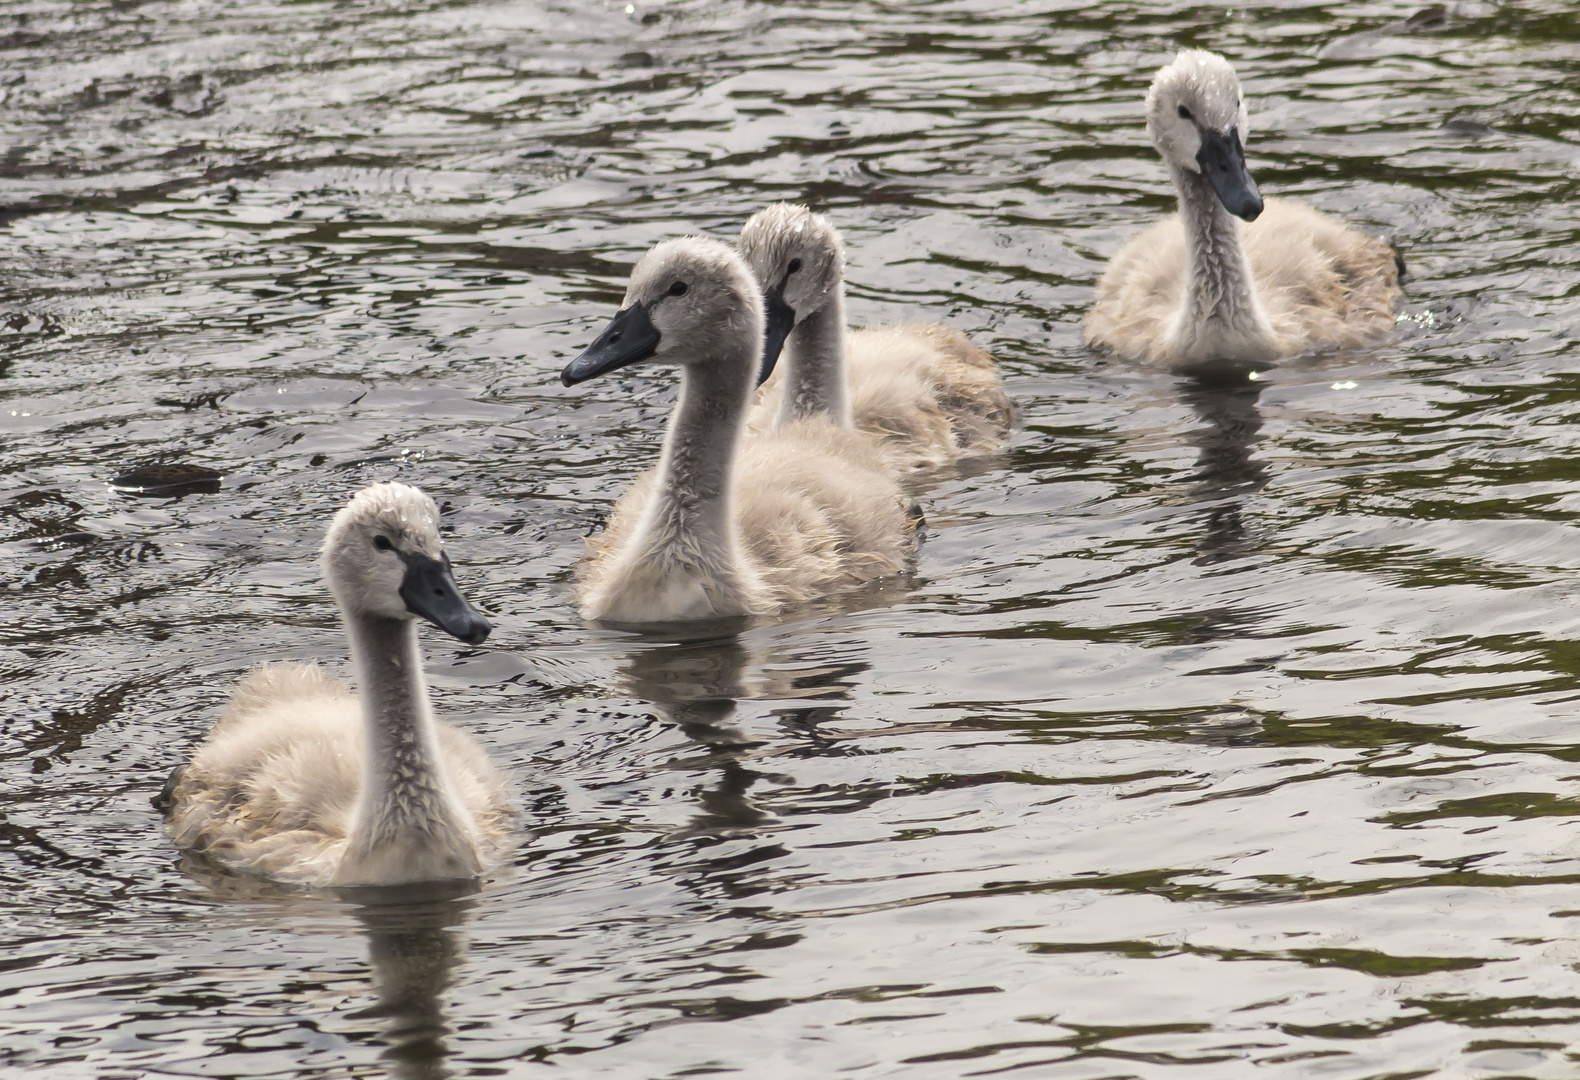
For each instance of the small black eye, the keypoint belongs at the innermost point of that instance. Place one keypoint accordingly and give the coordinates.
(678, 289)
(1185, 114)
(795, 264)
(383, 543)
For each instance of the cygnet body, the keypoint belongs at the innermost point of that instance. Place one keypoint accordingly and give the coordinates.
(305, 782)
(928, 394)
(728, 525)
(1201, 289)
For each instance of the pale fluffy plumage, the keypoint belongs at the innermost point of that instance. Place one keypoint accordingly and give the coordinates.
(1203, 287)
(927, 393)
(726, 525)
(303, 782)
(273, 789)
(1320, 284)
(813, 516)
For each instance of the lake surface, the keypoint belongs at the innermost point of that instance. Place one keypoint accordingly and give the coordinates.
(1222, 731)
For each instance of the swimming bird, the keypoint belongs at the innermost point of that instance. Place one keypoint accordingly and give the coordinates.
(725, 525)
(925, 391)
(1200, 289)
(303, 781)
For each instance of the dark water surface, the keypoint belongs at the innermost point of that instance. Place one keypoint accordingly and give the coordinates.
(1222, 732)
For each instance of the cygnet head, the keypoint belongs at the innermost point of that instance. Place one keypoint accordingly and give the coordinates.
(799, 261)
(691, 302)
(1197, 119)
(382, 556)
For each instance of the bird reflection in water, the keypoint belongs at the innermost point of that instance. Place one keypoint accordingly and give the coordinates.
(697, 685)
(1226, 472)
(414, 948)
(1226, 475)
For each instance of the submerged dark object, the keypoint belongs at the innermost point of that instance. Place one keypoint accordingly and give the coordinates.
(168, 480)
(1465, 125)
(1431, 17)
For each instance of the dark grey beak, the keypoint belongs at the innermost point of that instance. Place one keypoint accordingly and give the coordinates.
(429, 590)
(781, 320)
(1222, 161)
(630, 337)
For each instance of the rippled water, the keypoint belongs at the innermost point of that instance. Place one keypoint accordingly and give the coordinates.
(1222, 731)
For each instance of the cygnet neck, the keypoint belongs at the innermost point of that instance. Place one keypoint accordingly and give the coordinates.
(815, 379)
(405, 810)
(694, 497)
(1220, 296)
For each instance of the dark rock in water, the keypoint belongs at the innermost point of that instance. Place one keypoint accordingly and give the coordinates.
(1463, 125)
(65, 540)
(168, 480)
(1428, 18)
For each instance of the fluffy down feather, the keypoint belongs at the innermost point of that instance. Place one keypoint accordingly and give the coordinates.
(273, 787)
(1321, 284)
(924, 390)
(927, 394)
(814, 513)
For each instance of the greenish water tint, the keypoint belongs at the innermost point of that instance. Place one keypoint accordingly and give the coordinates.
(1222, 732)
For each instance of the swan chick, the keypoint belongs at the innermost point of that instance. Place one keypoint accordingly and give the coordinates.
(927, 393)
(305, 782)
(1233, 280)
(728, 525)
